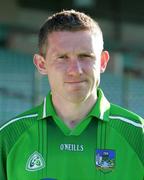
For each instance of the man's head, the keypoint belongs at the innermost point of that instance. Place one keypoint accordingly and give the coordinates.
(69, 20)
(72, 56)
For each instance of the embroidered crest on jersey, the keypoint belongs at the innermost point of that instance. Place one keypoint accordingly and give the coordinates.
(35, 162)
(105, 159)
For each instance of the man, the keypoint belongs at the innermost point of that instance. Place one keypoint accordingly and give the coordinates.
(76, 134)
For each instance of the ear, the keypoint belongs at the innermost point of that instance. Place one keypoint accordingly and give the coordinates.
(104, 60)
(40, 63)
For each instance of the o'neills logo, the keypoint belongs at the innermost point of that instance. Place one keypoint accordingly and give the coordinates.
(72, 147)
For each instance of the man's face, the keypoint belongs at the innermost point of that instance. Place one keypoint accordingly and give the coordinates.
(73, 65)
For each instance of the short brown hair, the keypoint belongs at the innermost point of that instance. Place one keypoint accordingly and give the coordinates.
(67, 20)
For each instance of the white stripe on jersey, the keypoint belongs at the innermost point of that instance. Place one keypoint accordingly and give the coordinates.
(44, 108)
(127, 120)
(19, 118)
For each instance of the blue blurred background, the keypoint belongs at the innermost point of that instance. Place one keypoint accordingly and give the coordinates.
(122, 23)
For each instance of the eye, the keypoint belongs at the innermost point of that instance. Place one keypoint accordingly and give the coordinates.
(86, 56)
(62, 57)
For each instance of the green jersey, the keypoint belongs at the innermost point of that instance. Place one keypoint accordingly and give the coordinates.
(108, 144)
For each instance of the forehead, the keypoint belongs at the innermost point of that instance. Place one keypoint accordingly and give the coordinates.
(76, 40)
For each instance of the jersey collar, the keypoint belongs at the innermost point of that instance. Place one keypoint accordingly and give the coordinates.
(100, 110)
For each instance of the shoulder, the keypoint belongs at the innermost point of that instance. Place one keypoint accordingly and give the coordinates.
(128, 118)
(21, 121)
(14, 129)
(11, 131)
(130, 126)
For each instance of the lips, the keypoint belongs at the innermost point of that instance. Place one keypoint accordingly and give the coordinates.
(74, 82)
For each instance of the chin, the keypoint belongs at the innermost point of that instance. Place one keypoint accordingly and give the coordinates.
(77, 98)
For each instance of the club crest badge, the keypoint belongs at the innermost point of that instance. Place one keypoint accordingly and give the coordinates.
(35, 162)
(105, 159)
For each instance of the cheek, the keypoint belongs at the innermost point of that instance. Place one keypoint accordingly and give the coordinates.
(91, 68)
(60, 67)
(96, 67)
(93, 72)
(56, 69)
(55, 75)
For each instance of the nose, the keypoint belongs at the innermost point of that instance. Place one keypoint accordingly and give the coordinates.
(74, 68)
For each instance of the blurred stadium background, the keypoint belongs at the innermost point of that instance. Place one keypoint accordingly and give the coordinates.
(122, 22)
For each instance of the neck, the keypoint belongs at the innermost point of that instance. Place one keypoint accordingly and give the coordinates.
(72, 113)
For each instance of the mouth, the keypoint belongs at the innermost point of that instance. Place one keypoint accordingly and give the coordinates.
(76, 86)
(75, 82)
